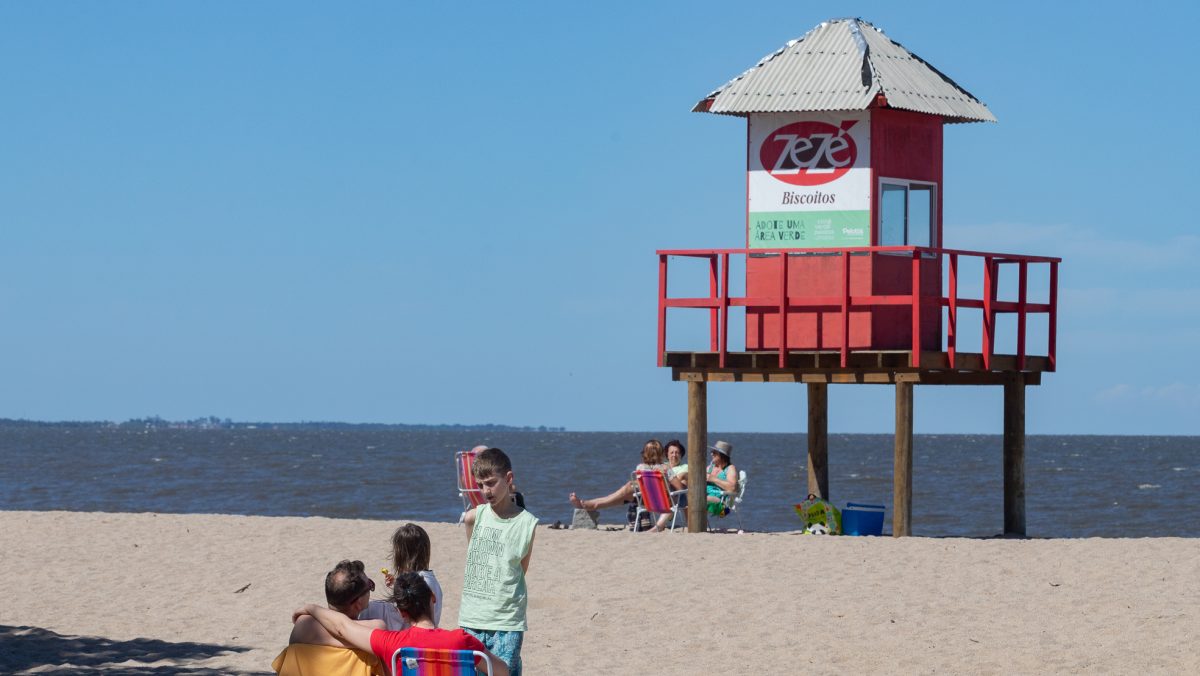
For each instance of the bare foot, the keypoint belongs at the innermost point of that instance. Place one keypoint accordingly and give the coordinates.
(576, 502)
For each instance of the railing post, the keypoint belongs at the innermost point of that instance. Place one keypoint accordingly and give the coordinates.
(1022, 283)
(845, 309)
(916, 308)
(783, 301)
(952, 325)
(724, 337)
(712, 294)
(989, 317)
(1052, 337)
(662, 308)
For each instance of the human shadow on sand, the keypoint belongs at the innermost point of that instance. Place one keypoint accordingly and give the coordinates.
(47, 652)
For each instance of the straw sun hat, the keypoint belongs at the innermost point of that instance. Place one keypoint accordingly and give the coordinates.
(723, 447)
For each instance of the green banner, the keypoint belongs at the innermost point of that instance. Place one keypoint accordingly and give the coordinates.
(809, 229)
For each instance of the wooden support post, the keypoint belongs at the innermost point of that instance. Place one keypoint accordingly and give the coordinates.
(1014, 456)
(818, 440)
(697, 455)
(902, 473)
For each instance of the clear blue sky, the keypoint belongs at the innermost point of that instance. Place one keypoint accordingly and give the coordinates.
(376, 212)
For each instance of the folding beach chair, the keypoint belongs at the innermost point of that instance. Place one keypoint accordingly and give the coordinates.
(734, 500)
(468, 489)
(654, 495)
(435, 662)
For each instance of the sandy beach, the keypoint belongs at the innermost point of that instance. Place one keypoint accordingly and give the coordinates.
(212, 594)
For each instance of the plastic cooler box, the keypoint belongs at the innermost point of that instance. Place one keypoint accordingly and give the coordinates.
(860, 519)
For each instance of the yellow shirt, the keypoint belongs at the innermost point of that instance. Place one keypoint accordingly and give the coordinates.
(302, 659)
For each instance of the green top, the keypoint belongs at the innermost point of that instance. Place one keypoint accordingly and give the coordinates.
(494, 595)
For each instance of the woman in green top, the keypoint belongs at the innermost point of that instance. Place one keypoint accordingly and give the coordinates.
(722, 477)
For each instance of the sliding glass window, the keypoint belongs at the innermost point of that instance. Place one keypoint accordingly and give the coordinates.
(907, 213)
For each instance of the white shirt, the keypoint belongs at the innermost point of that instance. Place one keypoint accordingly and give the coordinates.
(392, 619)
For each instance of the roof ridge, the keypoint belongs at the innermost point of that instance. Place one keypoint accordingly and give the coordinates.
(868, 69)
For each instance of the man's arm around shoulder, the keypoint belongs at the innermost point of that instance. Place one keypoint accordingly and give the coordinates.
(342, 630)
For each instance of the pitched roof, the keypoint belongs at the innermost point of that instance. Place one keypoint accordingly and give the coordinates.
(844, 64)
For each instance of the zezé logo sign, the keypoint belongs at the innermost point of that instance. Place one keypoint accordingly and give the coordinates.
(809, 152)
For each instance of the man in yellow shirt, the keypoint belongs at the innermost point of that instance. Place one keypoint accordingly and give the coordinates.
(312, 651)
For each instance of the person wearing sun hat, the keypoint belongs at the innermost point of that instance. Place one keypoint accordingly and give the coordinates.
(722, 477)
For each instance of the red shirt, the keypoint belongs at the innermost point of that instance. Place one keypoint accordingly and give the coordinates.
(385, 643)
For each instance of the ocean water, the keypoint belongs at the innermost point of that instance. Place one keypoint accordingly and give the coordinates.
(1076, 486)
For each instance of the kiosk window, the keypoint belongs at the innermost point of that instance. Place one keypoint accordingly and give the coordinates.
(906, 213)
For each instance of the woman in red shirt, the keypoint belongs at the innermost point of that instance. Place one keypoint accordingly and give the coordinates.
(413, 598)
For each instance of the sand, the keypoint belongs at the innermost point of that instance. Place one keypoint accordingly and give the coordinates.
(212, 594)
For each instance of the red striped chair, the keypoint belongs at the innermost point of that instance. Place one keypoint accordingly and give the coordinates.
(468, 488)
(436, 662)
(654, 495)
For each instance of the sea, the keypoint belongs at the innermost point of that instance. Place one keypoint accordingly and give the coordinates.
(1076, 486)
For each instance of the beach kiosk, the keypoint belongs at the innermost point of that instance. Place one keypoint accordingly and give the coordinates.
(846, 277)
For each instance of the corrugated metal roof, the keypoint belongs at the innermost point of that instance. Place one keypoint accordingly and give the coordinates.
(843, 64)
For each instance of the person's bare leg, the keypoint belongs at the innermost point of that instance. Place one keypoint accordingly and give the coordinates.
(712, 499)
(611, 500)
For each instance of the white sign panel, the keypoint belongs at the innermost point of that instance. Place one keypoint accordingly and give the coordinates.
(810, 180)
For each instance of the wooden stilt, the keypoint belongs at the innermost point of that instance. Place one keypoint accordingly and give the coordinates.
(902, 474)
(697, 453)
(1014, 456)
(818, 440)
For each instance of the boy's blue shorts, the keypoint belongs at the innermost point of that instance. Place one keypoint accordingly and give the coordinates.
(503, 644)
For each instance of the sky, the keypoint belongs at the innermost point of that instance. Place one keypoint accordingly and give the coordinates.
(448, 212)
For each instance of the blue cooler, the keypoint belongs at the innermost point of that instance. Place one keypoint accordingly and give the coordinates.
(860, 519)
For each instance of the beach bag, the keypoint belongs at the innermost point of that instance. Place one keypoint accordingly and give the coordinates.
(814, 511)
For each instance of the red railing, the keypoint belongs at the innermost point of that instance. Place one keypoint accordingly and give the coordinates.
(719, 300)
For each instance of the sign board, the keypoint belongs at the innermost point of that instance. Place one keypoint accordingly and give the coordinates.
(809, 180)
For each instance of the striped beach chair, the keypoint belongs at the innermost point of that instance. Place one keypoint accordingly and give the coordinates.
(468, 489)
(435, 662)
(654, 495)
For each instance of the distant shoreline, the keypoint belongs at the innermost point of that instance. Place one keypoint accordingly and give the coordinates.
(214, 423)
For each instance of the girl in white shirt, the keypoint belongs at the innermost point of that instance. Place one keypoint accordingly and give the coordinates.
(410, 554)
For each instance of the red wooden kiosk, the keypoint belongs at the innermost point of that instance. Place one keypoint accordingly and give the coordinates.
(846, 277)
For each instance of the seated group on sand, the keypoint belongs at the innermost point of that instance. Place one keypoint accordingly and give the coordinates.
(721, 478)
(355, 636)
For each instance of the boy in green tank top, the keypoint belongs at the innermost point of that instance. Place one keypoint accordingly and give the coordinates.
(500, 543)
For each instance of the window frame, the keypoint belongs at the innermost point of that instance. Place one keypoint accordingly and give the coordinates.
(907, 185)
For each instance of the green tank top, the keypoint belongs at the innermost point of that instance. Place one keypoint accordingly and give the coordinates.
(493, 594)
